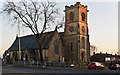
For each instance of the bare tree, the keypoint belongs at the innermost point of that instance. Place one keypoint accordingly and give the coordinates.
(33, 15)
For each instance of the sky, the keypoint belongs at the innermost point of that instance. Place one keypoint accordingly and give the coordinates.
(102, 24)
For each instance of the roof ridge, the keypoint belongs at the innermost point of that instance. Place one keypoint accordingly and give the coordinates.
(31, 42)
(35, 34)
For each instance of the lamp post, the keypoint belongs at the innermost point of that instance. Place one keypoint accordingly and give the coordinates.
(19, 39)
(19, 43)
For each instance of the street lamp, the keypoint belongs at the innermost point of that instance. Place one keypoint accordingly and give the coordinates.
(19, 39)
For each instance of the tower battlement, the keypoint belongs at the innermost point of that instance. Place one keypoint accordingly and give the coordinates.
(77, 5)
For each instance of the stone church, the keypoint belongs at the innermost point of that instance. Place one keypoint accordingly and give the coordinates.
(68, 46)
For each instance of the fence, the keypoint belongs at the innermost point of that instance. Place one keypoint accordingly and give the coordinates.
(45, 64)
(39, 64)
(54, 65)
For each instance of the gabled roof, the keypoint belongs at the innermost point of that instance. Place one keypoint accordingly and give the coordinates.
(30, 41)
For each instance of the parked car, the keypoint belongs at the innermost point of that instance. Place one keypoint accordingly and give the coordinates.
(114, 67)
(72, 65)
(95, 65)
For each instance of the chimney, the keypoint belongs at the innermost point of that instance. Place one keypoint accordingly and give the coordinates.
(93, 53)
(100, 52)
(16, 35)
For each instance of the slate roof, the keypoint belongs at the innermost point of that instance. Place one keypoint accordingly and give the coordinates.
(30, 41)
(105, 55)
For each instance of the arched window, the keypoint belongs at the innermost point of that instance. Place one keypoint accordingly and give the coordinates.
(26, 57)
(83, 55)
(71, 16)
(16, 56)
(78, 28)
(71, 46)
(13, 54)
(83, 43)
(56, 48)
(83, 16)
(22, 56)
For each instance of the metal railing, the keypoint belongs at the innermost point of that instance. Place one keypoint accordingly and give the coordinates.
(39, 64)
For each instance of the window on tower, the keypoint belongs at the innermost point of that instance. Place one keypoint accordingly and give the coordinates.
(83, 43)
(78, 31)
(71, 16)
(83, 16)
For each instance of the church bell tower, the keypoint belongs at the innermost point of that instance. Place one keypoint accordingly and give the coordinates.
(76, 38)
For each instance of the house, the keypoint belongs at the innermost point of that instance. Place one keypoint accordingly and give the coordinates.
(105, 58)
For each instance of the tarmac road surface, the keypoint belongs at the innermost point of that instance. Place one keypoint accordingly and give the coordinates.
(10, 70)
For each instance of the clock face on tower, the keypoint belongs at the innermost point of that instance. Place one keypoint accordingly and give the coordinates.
(71, 28)
(83, 29)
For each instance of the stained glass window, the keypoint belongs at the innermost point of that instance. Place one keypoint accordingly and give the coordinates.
(56, 48)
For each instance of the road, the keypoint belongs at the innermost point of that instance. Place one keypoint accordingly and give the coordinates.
(17, 70)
